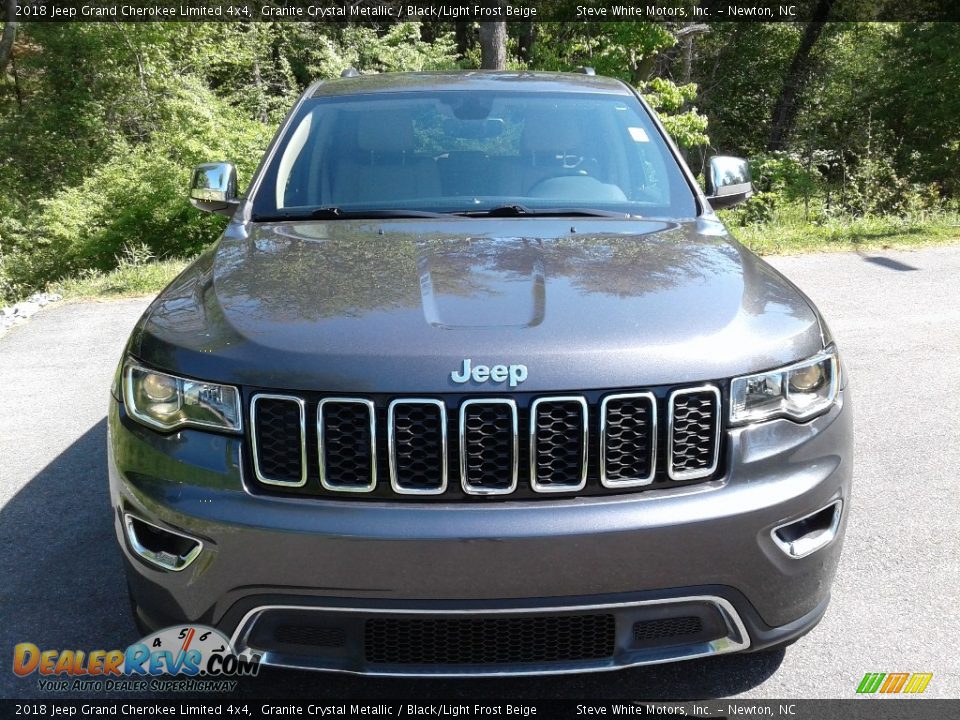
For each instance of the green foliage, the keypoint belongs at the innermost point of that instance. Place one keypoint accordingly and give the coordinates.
(135, 274)
(688, 128)
(136, 197)
(627, 50)
(789, 232)
(101, 123)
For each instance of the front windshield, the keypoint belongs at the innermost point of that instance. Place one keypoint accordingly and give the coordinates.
(470, 152)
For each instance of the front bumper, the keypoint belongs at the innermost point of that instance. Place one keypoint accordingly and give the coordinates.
(703, 547)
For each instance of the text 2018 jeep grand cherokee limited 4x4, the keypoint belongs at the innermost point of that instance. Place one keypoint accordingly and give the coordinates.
(476, 382)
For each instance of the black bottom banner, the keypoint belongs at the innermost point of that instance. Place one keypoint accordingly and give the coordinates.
(866, 708)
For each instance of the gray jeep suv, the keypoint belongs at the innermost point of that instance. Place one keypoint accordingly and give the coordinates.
(476, 382)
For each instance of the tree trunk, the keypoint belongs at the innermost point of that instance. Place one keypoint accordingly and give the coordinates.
(526, 40)
(786, 108)
(9, 33)
(493, 45)
(462, 33)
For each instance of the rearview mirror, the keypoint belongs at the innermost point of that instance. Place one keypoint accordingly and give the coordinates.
(473, 129)
(213, 188)
(728, 181)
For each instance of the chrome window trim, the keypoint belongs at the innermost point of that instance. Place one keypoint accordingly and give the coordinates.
(303, 440)
(391, 447)
(718, 414)
(464, 480)
(737, 640)
(629, 482)
(534, 483)
(831, 534)
(150, 556)
(372, 412)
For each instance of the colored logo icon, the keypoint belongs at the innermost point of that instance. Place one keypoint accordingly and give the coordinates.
(894, 683)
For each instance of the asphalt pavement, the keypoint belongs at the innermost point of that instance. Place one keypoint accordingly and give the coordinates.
(896, 316)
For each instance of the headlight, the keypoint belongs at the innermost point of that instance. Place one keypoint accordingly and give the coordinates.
(167, 402)
(797, 391)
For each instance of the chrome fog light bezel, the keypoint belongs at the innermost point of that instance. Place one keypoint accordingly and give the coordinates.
(790, 549)
(153, 557)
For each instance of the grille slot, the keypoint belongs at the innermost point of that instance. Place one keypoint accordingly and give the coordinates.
(417, 439)
(347, 444)
(488, 640)
(628, 439)
(488, 447)
(279, 439)
(667, 628)
(558, 444)
(315, 635)
(694, 432)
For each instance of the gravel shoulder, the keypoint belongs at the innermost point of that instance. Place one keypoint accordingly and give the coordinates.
(896, 316)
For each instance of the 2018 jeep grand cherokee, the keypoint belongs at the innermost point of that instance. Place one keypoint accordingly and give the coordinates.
(476, 382)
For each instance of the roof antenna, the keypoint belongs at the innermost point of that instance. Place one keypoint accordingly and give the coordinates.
(586, 70)
(350, 72)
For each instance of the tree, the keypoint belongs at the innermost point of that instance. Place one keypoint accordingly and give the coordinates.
(493, 45)
(795, 81)
(9, 33)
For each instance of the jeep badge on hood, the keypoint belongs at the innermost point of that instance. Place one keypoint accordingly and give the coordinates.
(498, 373)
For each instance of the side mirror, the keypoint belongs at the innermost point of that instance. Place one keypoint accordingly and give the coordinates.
(213, 188)
(728, 181)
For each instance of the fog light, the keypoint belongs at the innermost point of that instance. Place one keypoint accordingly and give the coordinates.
(799, 538)
(161, 547)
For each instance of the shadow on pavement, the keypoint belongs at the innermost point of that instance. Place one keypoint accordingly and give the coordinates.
(63, 587)
(889, 263)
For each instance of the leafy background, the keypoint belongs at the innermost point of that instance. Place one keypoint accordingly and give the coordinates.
(853, 128)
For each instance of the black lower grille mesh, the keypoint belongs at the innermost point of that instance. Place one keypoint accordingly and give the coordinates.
(489, 452)
(315, 635)
(279, 453)
(558, 442)
(418, 446)
(666, 628)
(483, 641)
(348, 457)
(628, 439)
(695, 419)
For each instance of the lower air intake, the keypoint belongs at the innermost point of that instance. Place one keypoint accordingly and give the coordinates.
(485, 641)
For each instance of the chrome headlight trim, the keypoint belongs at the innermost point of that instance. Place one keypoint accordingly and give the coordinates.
(138, 414)
(828, 358)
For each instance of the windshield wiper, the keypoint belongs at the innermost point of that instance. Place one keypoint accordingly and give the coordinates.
(522, 210)
(335, 213)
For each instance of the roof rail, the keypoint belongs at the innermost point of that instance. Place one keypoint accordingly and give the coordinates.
(350, 72)
(585, 70)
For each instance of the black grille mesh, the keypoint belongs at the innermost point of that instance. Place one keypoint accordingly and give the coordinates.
(418, 446)
(665, 628)
(628, 439)
(624, 448)
(558, 439)
(348, 460)
(278, 439)
(483, 641)
(315, 635)
(694, 431)
(489, 445)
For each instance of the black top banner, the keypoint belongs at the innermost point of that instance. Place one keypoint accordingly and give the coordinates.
(380, 11)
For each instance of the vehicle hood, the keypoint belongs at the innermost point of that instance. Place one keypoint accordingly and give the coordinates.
(395, 307)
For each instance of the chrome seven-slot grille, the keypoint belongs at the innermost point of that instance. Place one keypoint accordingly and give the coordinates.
(455, 447)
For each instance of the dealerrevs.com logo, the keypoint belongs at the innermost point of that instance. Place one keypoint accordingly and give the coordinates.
(179, 658)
